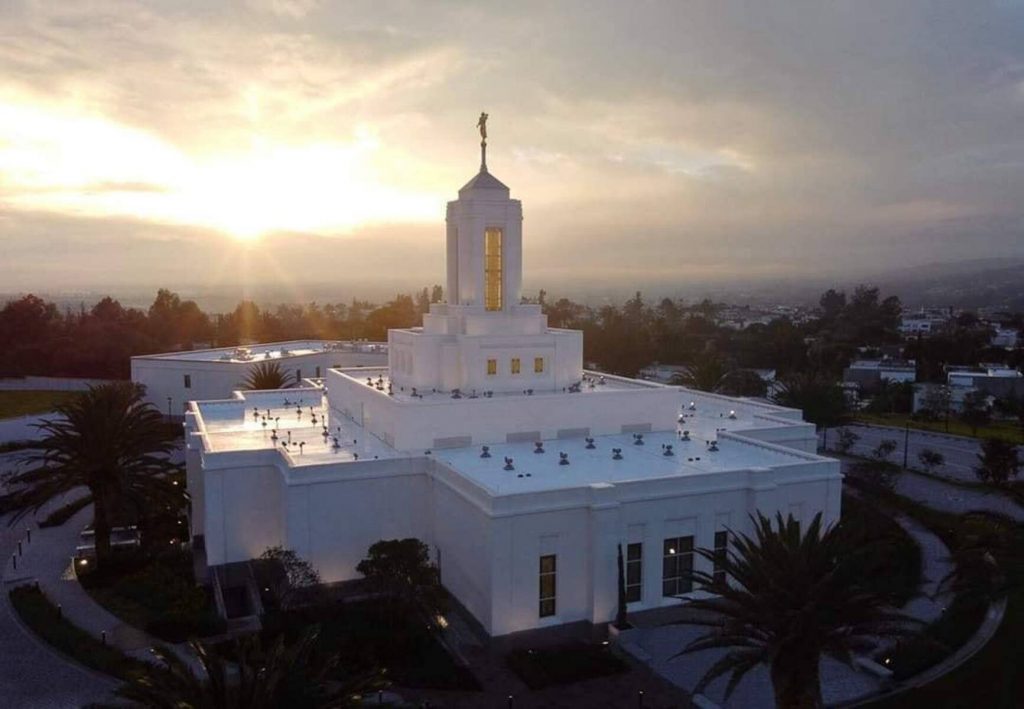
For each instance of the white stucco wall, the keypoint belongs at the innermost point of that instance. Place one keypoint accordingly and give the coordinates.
(164, 375)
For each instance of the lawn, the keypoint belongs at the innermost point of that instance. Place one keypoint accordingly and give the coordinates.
(949, 632)
(563, 664)
(39, 614)
(1007, 430)
(367, 637)
(894, 570)
(24, 403)
(992, 678)
(158, 595)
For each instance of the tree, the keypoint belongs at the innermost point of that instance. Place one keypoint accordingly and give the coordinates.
(621, 621)
(930, 460)
(885, 448)
(400, 570)
(704, 373)
(266, 375)
(743, 382)
(292, 578)
(998, 461)
(832, 303)
(261, 677)
(847, 439)
(935, 402)
(821, 399)
(791, 598)
(974, 411)
(112, 443)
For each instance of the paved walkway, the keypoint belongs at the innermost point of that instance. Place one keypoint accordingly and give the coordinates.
(31, 673)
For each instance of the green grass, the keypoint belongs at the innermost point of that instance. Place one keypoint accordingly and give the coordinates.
(158, 595)
(24, 403)
(563, 664)
(894, 567)
(39, 614)
(991, 678)
(1006, 430)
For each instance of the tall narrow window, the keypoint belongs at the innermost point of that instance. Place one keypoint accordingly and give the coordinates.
(492, 367)
(515, 365)
(721, 553)
(676, 566)
(634, 572)
(547, 586)
(492, 269)
(188, 381)
(538, 365)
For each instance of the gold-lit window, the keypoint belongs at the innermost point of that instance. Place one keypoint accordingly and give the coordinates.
(492, 269)
(515, 365)
(492, 366)
(538, 365)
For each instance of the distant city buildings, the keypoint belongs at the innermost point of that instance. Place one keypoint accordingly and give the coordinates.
(868, 374)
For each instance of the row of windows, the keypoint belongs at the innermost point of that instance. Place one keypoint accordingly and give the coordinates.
(515, 366)
(676, 565)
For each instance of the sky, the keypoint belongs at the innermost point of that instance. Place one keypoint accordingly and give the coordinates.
(195, 144)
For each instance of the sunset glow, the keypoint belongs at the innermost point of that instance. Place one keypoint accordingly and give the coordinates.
(62, 159)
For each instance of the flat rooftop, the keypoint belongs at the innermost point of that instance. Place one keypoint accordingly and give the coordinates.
(269, 420)
(272, 351)
(535, 472)
(295, 421)
(378, 378)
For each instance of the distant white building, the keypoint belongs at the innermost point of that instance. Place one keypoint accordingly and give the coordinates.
(485, 438)
(923, 324)
(1006, 337)
(868, 374)
(175, 378)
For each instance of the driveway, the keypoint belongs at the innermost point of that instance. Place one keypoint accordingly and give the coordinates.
(31, 674)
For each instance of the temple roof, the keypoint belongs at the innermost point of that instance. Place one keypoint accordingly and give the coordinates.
(484, 180)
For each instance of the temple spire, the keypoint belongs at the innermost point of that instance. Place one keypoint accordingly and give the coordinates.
(482, 125)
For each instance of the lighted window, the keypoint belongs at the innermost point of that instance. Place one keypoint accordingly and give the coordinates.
(492, 367)
(188, 381)
(538, 365)
(677, 564)
(515, 365)
(721, 554)
(492, 269)
(547, 585)
(634, 572)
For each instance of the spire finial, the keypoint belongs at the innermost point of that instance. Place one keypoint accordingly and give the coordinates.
(482, 125)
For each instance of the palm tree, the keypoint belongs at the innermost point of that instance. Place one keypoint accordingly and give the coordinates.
(112, 443)
(266, 375)
(704, 373)
(821, 399)
(789, 599)
(281, 675)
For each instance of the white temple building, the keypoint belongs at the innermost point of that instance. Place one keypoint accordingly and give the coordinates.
(485, 438)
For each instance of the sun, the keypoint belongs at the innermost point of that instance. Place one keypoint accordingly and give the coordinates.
(61, 159)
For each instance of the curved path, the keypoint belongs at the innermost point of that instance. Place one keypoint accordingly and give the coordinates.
(31, 673)
(840, 685)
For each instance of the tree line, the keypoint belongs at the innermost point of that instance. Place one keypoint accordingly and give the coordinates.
(38, 338)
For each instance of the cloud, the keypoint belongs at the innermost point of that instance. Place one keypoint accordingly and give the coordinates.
(762, 138)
